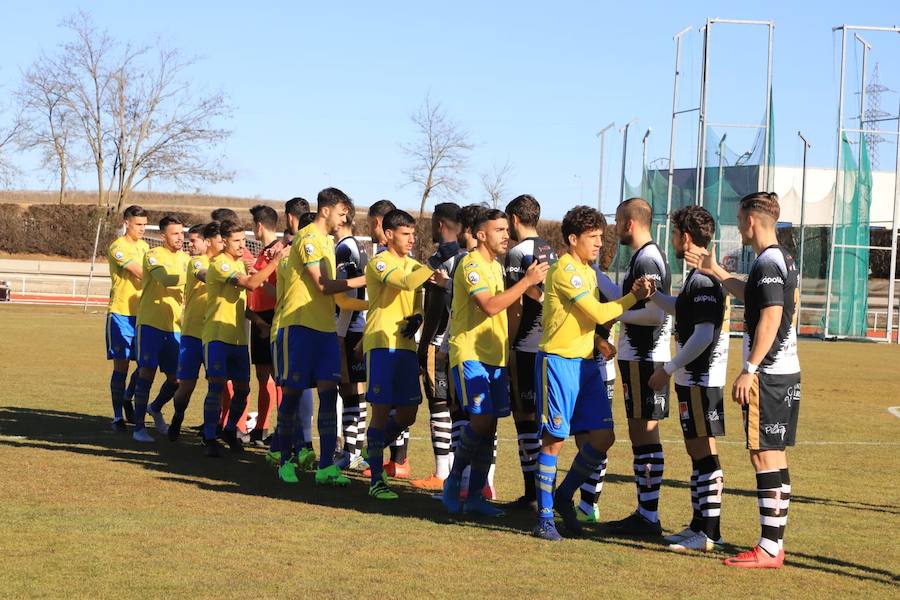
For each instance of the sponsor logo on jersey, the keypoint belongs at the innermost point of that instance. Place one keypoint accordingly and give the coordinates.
(775, 429)
(473, 277)
(576, 282)
(477, 400)
(557, 420)
(768, 280)
(653, 276)
(704, 298)
(380, 266)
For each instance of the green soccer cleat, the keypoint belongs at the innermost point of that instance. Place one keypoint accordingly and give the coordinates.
(307, 460)
(380, 491)
(273, 458)
(331, 475)
(288, 473)
(592, 517)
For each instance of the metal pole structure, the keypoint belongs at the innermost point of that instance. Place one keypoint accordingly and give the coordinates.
(806, 146)
(87, 292)
(894, 219)
(837, 182)
(862, 140)
(701, 135)
(602, 135)
(766, 157)
(671, 173)
(624, 150)
(719, 191)
(644, 171)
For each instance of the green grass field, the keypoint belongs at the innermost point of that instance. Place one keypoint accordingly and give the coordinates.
(85, 512)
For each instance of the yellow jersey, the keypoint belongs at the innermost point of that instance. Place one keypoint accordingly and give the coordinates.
(303, 303)
(572, 309)
(225, 302)
(165, 273)
(287, 281)
(125, 288)
(394, 287)
(473, 334)
(194, 298)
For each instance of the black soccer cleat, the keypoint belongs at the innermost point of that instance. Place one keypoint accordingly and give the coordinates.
(635, 525)
(119, 426)
(213, 448)
(175, 427)
(128, 409)
(231, 438)
(566, 510)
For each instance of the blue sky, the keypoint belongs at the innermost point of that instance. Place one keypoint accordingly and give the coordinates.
(323, 94)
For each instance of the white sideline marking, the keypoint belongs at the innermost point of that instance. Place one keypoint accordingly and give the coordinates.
(894, 410)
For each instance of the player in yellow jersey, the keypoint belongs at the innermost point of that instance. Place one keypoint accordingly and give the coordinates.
(159, 324)
(479, 347)
(224, 336)
(393, 283)
(204, 244)
(126, 258)
(310, 336)
(570, 391)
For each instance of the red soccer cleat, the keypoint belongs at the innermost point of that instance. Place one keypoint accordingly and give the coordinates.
(397, 470)
(433, 483)
(755, 558)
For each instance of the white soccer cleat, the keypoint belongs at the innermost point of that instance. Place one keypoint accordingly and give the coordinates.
(681, 535)
(697, 542)
(159, 421)
(142, 435)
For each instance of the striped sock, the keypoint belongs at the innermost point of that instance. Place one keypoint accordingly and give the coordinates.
(586, 461)
(768, 497)
(592, 488)
(465, 450)
(529, 447)
(709, 495)
(785, 503)
(546, 478)
(649, 462)
(480, 466)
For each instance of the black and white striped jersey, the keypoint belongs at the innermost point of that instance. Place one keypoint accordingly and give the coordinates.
(518, 259)
(350, 262)
(444, 291)
(702, 300)
(773, 282)
(646, 342)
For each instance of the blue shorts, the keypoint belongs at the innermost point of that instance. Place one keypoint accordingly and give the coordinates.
(190, 357)
(158, 348)
(312, 356)
(482, 389)
(276, 344)
(228, 361)
(570, 395)
(393, 377)
(120, 337)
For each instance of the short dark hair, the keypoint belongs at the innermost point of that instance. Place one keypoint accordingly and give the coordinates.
(397, 218)
(350, 219)
(168, 220)
(381, 208)
(447, 212)
(198, 228)
(211, 230)
(305, 219)
(488, 214)
(332, 196)
(296, 206)
(696, 221)
(226, 228)
(581, 219)
(762, 202)
(526, 208)
(264, 215)
(134, 211)
(224, 214)
(469, 214)
(637, 209)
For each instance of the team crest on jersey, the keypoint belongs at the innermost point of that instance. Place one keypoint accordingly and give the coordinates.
(473, 277)
(576, 282)
(376, 389)
(309, 248)
(225, 267)
(197, 264)
(569, 268)
(477, 400)
(152, 260)
(557, 420)
(380, 266)
(120, 255)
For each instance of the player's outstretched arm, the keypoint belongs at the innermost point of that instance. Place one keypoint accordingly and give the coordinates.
(701, 338)
(251, 282)
(328, 286)
(135, 269)
(609, 289)
(705, 262)
(664, 301)
(408, 281)
(492, 305)
(162, 276)
(345, 302)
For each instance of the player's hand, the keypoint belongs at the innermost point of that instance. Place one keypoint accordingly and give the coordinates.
(537, 272)
(740, 391)
(703, 260)
(282, 252)
(411, 326)
(643, 288)
(251, 270)
(603, 347)
(659, 380)
(439, 278)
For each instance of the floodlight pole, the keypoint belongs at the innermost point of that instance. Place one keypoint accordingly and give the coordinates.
(721, 173)
(701, 129)
(806, 147)
(894, 219)
(602, 135)
(624, 151)
(671, 171)
(644, 158)
(769, 182)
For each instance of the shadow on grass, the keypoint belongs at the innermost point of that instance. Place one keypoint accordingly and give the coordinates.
(248, 474)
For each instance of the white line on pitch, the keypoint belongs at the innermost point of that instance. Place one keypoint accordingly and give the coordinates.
(894, 410)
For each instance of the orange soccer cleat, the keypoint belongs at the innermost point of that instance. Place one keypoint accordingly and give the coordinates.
(756, 558)
(397, 470)
(432, 483)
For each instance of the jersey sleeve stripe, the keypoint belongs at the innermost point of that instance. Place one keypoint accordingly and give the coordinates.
(477, 290)
(388, 274)
(580, 296)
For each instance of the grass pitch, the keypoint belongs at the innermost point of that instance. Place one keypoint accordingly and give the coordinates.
(86, 512)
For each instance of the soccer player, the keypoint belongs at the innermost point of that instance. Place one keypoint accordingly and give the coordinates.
(261, 313)
(395, 315)
(643, 346)
(224, 335)
(525, 333)
(768, 388)
(159, 325)
(570, 391)
(351, 261)
(205, 243)
(479, 347)
(125, 256)
(699, 367)
(433, 365)
(310, 337)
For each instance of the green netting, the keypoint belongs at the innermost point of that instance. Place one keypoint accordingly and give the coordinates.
(850, 270)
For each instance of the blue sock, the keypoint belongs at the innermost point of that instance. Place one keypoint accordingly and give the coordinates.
(132, 383)
(212, 405)
(117, 391)
(586, 461)
(327, 424)
(375, 444)
(287, 415)
(546, 477)
(481, 464)
(237, 407)
(141, 397)
(299, 439)
(166, 392)
(465, 450)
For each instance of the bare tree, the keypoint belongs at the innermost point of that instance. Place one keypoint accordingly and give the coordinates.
(494, 182)
(9, 135)
(438, 156)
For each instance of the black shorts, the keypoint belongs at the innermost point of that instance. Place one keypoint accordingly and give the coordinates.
(642, 402)
(353, 366)
(434, 367)
(521, 381)
(770, 417)
(701, 410)
(260, 347)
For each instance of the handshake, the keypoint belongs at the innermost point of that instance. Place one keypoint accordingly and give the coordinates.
(643, 288)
